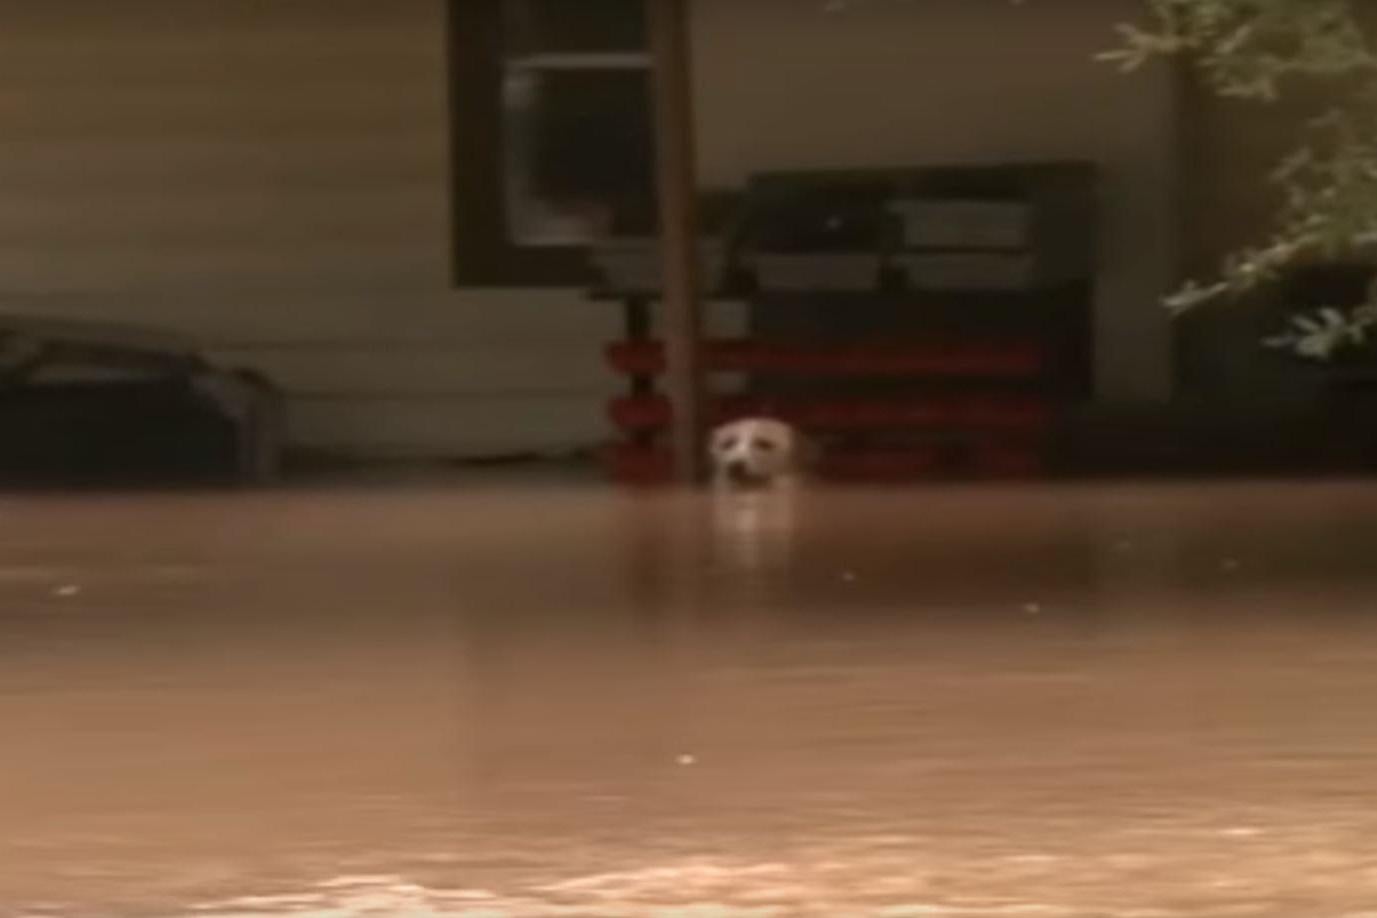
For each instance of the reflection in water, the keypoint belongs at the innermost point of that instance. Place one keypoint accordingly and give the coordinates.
(1078, 701)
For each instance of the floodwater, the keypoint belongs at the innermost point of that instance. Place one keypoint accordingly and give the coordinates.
(571, 701)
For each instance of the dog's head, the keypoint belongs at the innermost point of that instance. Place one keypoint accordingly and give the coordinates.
(755, 452)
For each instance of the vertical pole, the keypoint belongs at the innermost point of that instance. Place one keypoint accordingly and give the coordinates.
(678, 188)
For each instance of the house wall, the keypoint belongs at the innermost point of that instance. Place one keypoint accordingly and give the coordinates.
(898, 82)
(271, 175)
(1229, 149)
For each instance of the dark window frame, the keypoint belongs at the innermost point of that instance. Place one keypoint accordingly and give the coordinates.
(483, 252)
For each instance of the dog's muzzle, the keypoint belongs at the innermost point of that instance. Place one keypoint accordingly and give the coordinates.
(741, 474)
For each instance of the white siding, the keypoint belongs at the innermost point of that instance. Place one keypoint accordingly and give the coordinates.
(271, 175)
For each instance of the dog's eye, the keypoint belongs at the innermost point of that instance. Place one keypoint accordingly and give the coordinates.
(726, 443)
(765, 446)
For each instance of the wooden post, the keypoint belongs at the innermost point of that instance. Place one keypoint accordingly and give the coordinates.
(681, 325)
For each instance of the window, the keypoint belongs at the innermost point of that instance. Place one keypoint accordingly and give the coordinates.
(552, 134)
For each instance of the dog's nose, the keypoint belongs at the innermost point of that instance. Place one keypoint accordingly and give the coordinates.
(737, 468)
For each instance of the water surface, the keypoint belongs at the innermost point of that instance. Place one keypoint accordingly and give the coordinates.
(530, 701)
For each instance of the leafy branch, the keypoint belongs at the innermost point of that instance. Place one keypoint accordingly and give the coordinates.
(1248, 50)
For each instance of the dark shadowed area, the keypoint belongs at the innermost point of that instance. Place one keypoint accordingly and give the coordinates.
(564, 700)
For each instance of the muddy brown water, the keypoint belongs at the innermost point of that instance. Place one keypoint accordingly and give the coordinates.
(567, 700)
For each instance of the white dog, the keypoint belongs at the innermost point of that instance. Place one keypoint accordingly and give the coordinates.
(755, 453)
(757, 465)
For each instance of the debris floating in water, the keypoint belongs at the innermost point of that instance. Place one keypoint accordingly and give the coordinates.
(67, 590)
(687, 759)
